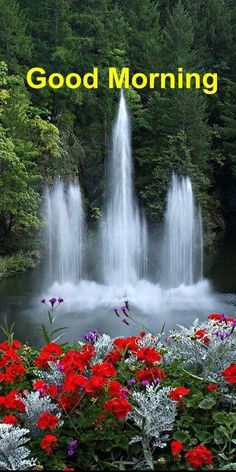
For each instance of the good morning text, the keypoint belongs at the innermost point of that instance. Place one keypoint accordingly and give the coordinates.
(38, 78)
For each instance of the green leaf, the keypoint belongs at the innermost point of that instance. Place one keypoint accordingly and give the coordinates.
(148, 458)
(45, 333)
(207, 403)
(203, 436)
(221, 435)
(181, 436)
(57, 330)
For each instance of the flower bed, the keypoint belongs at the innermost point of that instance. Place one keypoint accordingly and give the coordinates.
(140, 402)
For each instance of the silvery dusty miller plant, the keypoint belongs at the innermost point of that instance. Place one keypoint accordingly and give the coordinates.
(13, 454)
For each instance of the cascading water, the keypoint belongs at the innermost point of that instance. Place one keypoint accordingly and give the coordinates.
(123, 228)
(64, 232)
(183, 240)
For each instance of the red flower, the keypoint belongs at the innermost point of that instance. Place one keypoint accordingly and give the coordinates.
(215, 316)
(12, 401)
(95, 384)
(40, 385)
(198, 456)
(47, 421)
(10, 419)
(68, 402)
(74, 382)
(229, 374)
(47, 442)
(10, 364)
(87, 352)
(119, 407)
(201, 334)
(77, 360)
(14, 345)
(126, 344)
(105, 369)
(150, 374)
(177, 393)
(52, 391)
(212, 387)
(115, 389)
(148, 354)
(49, 353)
(14, 371)
(113, 356)
(176, 447)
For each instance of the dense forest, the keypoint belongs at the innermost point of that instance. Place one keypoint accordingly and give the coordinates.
(49, 133)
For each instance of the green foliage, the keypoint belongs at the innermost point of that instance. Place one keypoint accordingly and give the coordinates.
(19, 262)
(24, 138)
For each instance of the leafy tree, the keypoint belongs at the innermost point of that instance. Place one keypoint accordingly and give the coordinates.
(19, 151)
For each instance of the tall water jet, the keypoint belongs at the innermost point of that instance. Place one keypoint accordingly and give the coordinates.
(123, 228)
(64, 232)
(183, 238)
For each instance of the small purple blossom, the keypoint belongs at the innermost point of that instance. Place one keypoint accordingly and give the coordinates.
(52, 301)
(127, 305)
(91, 336)
(60, 300)
(43, 300)
(145, 383)
(123, 308)
(125, 321)
(157, 381)
(131, 381)
(116, 312)
(72, 447)
(222, 334)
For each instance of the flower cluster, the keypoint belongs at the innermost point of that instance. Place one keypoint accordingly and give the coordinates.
(77, 403)
(11, 365)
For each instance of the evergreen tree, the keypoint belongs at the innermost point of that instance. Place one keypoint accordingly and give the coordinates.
(15, 43)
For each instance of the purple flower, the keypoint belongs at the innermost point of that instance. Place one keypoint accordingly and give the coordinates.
(91, 336)
(131, 381)
(157, 381)
(43, 300)
(52, 301)
(123, 308)
(60, 300)
(124, 393)
(222, 334)
(72, 447)
(125, 321)
(233, 323)
(145, 383)
(127, 305)
(116, 312)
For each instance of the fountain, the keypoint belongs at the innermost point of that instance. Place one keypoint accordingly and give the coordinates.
(183, 241)
(64, 232)
(174, 296)
(124, 231)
